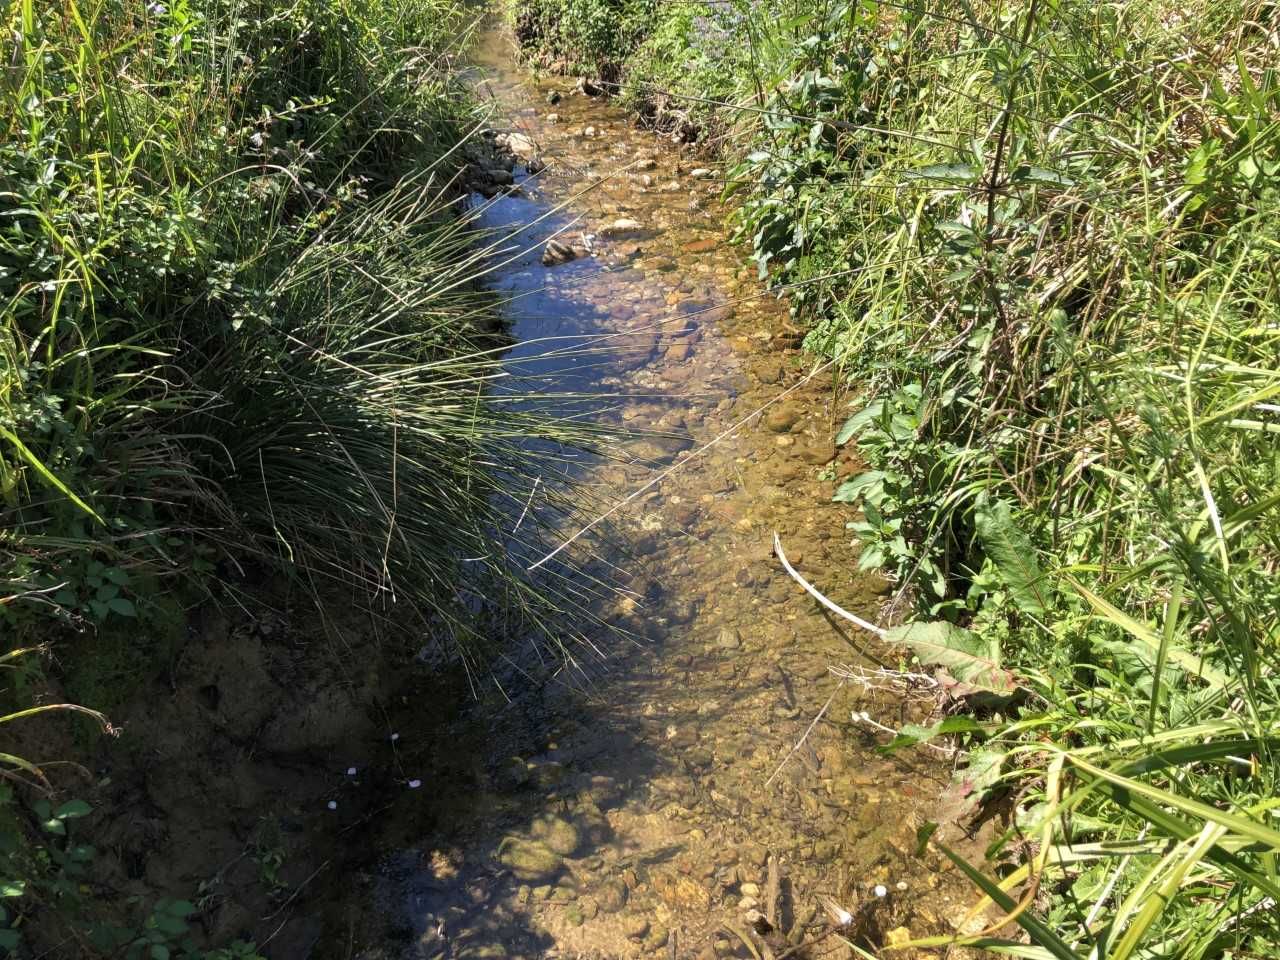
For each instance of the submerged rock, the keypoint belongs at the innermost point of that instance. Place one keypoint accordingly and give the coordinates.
(783, 417)
(557, 252)
(529, 860)
(729, 639)
(557, 834)
(622, 227)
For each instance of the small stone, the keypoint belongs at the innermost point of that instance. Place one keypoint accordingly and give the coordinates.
(519, 144)
(499, 176)
(622, 227)
(528, 860)
(897, 937)
(554, 97)
(557, 252)
(700, 173)
(750, 889)
(589, 907)
(657, 937)
(611, 895)
(783, 417)
(729, 639)
(557, 834)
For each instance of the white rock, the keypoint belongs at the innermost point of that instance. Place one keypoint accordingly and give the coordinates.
(622, 227)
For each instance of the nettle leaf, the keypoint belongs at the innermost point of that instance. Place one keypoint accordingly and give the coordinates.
(73, 809)
(854, 424)
(970, 659)
(912, 733)
(1014, 556)
(862, 485)
(970, 785)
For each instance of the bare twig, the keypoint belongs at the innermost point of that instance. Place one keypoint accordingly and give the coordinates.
(813, 592)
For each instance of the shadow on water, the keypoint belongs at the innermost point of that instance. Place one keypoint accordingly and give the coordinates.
(674, 797)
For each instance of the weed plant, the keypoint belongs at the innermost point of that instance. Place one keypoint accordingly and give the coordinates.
(241, 329)
(244, 340)
(1041, 240)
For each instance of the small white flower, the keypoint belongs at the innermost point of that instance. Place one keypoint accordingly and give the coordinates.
(395, 737)
(157, 9)
(332, 804)
(414, 784)
(351, 771)
(880, 890)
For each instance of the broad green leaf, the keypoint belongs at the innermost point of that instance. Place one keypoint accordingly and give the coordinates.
(854, 424)
(73, 809)
(957, 172)
(912, 733)
(12, 888)
(1014, 556)
(969, 658)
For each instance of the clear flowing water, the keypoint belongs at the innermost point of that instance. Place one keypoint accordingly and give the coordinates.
(683, 801)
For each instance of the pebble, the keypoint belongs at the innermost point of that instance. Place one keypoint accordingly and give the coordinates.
(622, 227)
(729, 639)
(611, 895)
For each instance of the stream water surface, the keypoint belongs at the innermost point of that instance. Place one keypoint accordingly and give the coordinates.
(676, 798)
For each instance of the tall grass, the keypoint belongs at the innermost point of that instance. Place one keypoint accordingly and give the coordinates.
(241, 330)
(1041, 240)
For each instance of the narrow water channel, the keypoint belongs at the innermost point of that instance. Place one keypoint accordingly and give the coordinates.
(680, 801)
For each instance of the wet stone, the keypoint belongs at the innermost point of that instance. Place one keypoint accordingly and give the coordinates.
(557, 835)
(783, 416)
(611, 895)
(529, 860)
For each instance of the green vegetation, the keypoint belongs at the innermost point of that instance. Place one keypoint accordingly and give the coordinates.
(1041, 241)
(241, 345)
(240, 320)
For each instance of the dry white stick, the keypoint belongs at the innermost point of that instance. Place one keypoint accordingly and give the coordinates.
(813, 592)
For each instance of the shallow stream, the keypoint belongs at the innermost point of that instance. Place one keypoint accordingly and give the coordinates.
(704, 789)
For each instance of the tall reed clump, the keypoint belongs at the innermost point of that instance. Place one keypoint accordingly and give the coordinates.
(241, 330)
(1041, 240)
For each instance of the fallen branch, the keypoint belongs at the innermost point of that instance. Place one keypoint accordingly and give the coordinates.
(813, 592)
